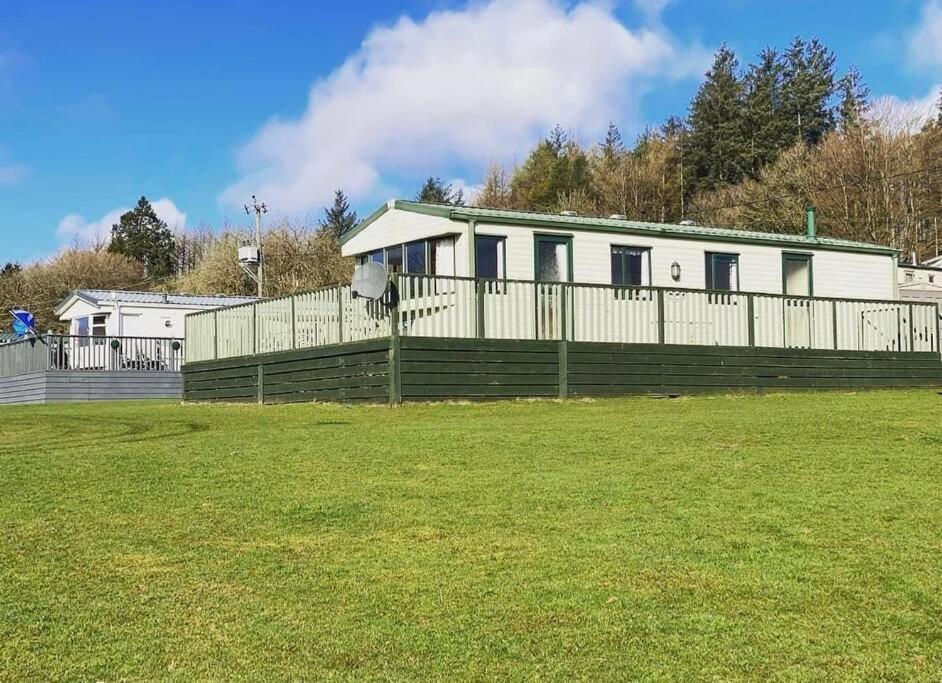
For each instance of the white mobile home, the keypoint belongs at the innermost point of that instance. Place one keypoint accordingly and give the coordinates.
(115, 313)
(412, 237)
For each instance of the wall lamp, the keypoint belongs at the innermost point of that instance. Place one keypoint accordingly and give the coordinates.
(675, 271)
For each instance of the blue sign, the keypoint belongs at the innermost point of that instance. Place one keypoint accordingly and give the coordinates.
(22, 322)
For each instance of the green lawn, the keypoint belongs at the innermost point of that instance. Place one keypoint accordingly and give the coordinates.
(775, 537)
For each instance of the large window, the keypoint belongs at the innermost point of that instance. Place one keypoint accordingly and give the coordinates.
(394, 259)
(441, 256)
(415, 258)
(722, 271)
(796, 275)
(489, 255)
(631, 266)
(81, 327)
(553, 258)
(425, 257)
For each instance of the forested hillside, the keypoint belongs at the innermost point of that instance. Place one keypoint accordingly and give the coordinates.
(759, 143)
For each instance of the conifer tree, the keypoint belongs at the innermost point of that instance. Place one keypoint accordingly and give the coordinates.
(716, 147)
(855, 99)
(763, 126)
(338, 218)
(807, 90)
(437, 191)
(142, 236)
(612, 146)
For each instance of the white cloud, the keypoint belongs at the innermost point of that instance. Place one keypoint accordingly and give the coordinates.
(652, 9)
(900, 115)
(12, 174)
(467, 87)
(925, 41)
(74, 229)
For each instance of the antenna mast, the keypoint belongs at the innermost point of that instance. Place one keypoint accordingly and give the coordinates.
(258, 209)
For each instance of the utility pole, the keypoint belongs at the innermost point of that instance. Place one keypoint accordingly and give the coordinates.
(258, 209)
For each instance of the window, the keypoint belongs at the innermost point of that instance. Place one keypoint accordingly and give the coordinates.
(931, 279)
(81, 327)
(489, 255)
(415, 258)
(441, 256)
(631, 266)
(797, 275)
(98, 325)
(722, 271)
(394, 259)
(424, 257)
(553, 258)
(910, 276)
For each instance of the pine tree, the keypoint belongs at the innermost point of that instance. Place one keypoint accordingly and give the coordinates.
(437, 191)
(556, 168)
(761, 111)
(557, 139)
(142, 236)
(612, 146)
(807, 90)
(855, 99)
(715, 146)
(338, 218)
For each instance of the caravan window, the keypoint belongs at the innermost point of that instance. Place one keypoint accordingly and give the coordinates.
(631, 266)
(489, 257)
(441, 256)
(722, 271)
(98, 325)
(394, 259)
(415, 258)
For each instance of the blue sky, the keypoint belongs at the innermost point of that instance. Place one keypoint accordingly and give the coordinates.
(200, 104)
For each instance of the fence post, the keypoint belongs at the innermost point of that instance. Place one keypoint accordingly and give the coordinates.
(215, 335)
(536, 310)
(938, 330)
(261, 384)
(660, 317)
(254, 328)
(834, 322)
(294, 330)
(751, 314)
(395, 344)
(563, 349)
(479, 315)
(339, 314)
(912, 330)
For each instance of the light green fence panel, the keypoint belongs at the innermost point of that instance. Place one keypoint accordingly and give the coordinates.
(274, 327)
(200, 333)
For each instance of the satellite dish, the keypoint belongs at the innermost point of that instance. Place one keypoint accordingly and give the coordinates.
(369, 281)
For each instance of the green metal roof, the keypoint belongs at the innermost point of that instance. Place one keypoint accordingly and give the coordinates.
(619, 225)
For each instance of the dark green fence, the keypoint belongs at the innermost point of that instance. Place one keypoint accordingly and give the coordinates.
(429, 368)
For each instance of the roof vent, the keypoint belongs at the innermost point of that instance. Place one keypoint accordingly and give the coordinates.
(568, 213)
(619, 216)
(688, 222)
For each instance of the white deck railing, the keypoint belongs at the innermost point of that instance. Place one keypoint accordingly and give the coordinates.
(435, 306)
(76, 353)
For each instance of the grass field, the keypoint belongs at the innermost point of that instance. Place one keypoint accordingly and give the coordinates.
(776, 537)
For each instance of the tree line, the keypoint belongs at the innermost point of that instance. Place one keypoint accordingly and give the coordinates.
(757, 145)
